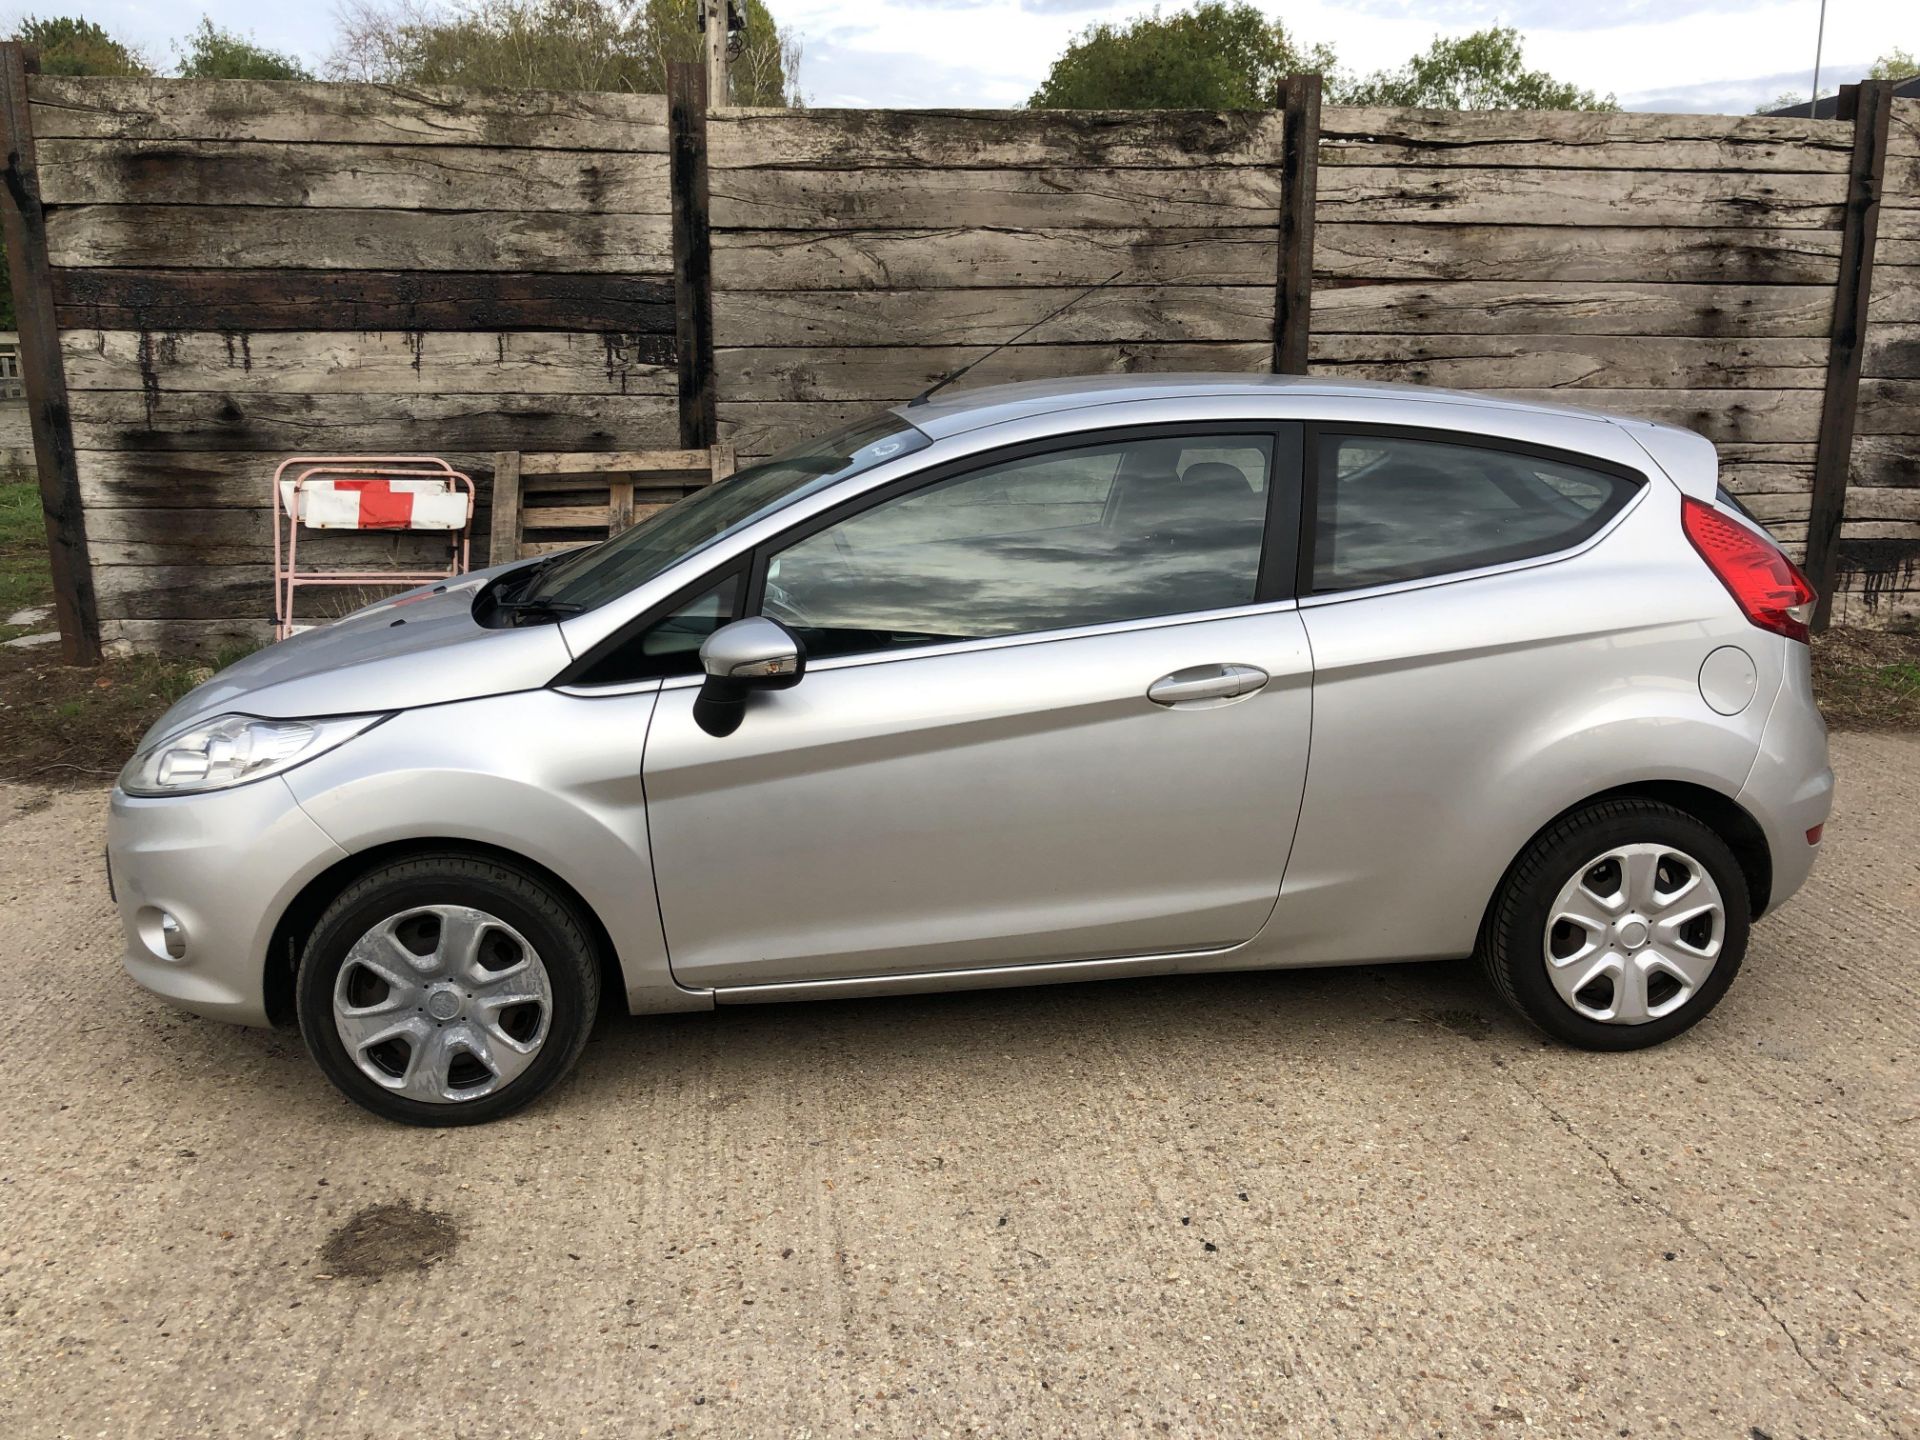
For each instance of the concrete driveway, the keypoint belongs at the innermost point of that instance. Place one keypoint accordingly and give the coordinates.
(1346, 1203)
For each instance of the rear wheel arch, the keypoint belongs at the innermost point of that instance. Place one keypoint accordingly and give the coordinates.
(303, 912)
(1719, 813)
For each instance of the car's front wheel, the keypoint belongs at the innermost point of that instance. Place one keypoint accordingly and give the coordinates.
(447, 989)
(1620, 926)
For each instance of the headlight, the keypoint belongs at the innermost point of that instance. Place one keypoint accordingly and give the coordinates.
(233, 749)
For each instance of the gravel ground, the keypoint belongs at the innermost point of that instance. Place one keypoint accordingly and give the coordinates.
(1344, 1203)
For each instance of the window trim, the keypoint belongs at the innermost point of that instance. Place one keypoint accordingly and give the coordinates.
(1316, 431)
(1279, 542)
(573, 677)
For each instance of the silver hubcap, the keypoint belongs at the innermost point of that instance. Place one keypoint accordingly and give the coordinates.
(1634, 934)
(443, 1003)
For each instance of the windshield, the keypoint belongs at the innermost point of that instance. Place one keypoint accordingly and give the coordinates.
(590, 577)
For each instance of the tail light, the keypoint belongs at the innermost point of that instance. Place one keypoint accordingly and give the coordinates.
(1768, 587)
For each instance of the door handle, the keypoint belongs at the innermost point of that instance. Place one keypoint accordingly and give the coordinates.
(1206, 682)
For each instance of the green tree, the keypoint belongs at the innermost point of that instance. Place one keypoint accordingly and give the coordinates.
(555, 45)
(70, 45)
(1896, 64)
(211, 53)
(1216, 56)
(1481, 71)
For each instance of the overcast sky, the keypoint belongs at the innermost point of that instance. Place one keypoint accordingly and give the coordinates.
(1724, 55)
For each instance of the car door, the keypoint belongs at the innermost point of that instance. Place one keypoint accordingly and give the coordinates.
(1056, 708)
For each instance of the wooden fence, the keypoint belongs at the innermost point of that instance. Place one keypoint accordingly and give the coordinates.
(222, 272)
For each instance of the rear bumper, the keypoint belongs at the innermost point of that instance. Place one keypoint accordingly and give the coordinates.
(225, 865)
(1789, 790)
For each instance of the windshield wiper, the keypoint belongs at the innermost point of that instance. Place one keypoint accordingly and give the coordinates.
(558, 609)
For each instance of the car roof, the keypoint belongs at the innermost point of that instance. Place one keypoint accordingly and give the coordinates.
(953, 412)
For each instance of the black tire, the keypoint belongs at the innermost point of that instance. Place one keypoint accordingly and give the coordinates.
(1513, 949)
(551, 924)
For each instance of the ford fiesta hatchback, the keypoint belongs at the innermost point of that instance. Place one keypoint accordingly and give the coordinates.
(1039, 683)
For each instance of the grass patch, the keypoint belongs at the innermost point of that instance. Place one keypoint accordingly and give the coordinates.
(1868, 679)
(25, 579)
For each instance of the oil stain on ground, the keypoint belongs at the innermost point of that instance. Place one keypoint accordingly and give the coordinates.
(389, 1240)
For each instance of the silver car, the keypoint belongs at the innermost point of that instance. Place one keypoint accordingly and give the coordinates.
(1047, 682)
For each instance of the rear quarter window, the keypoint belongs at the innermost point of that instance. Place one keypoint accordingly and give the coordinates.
(1390, 508)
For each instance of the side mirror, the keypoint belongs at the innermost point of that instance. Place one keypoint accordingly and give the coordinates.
(748, 655)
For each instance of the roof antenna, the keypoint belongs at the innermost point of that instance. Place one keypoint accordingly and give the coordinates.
(953, 375)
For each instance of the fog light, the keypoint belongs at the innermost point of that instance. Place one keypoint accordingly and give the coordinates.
(172, 935)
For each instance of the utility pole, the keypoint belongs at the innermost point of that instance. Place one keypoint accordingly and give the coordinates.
(1819, 44)
(713, 38)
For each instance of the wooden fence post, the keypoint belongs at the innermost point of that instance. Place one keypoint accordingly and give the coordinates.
(1870, 106)
(692, 252)
(1299, 174)
(42, 372)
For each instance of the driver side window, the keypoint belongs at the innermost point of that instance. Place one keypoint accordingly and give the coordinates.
(1120, 531)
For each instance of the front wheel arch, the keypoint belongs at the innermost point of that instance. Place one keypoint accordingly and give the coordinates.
(282, 960)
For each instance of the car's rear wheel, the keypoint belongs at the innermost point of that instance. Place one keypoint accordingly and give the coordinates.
(447, 989)
(1620, 926)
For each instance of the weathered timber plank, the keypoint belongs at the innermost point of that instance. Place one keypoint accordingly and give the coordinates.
(1563, 308)
(373, 177)
(356, 362)
(1885, 460)
(66, 107)
(1903, 182)
(217, 592)
(986, 317)
(184, 592)
(234, 535)
(1903, 134)
(1874, 503)
(1638, 253)
(896, 373)
(1772, 509)
(912, 199)
(1898, 530)
(693, 462)
(212, 236)
(1893, 353)
(1896, 294)
(1899, 223)
(1751, 452)
(1895, 252)
(991, 139)
(1679, 199)
(306, 424)
(1720, 415)
(250, 300)
(1581, 140)
(1761, 478)
(141, 480)
(763, 428)
(209, 638)
(968, 257)
(1889, 407)
(1478, 362)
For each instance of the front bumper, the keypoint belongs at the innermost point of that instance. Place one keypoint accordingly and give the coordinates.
(225, 865)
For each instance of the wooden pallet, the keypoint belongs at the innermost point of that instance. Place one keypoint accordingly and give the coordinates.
(554, 500)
